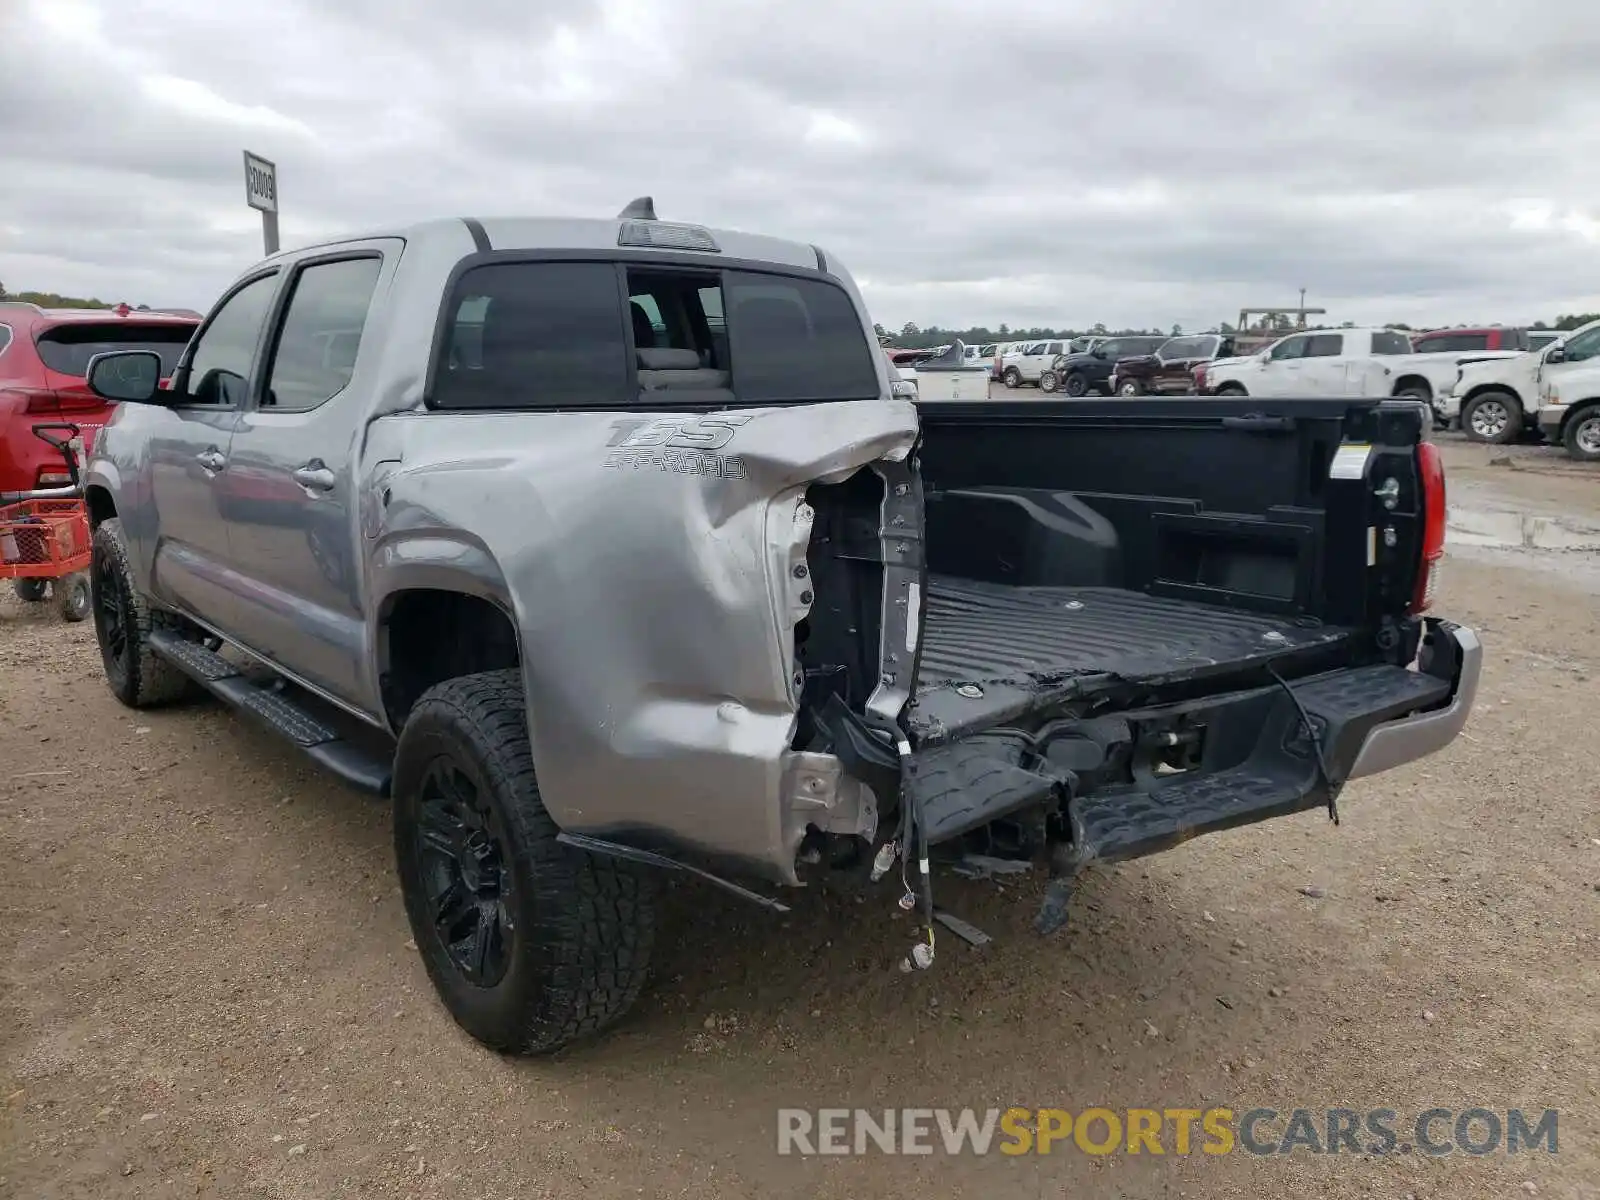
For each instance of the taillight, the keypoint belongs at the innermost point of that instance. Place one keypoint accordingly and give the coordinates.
(78, 399)
(1200, 379)
(36, 400)
(1431, 467)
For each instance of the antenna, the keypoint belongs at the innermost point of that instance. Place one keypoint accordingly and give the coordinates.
(642, 209)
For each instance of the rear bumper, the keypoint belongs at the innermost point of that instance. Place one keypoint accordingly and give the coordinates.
(1551, 416)
(1248, 758)
(1395, 743)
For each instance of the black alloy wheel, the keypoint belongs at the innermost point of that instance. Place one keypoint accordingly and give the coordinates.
(466, 873)
(113, 617)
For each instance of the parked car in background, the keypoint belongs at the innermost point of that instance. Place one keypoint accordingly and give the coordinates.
(1170, 368)
(1538, 339)
(1029, 360)
(1569, 395)
(1467, 341)
(44, 355)
(1497, 400)
(979, 356)
(1338, 362)
(1082, 372)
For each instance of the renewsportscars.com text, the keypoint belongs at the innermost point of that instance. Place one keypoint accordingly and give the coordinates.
(1434, 1132)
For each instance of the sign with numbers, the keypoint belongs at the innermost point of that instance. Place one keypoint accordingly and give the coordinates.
(260, 183)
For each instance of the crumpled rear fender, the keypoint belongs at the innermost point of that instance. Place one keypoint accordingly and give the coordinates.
(651, 565)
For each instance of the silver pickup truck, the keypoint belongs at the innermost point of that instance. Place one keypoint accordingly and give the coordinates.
(605, 548)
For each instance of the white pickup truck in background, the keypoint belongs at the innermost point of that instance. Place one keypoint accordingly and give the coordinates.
(1025, 362)
(1569, 407)
(1339, 362)
(1497, 400)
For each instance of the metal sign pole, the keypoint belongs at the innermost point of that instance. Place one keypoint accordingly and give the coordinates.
(261, 192)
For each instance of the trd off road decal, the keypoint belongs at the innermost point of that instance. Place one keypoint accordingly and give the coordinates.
(679, 445)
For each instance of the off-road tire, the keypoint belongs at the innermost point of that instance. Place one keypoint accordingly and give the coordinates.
(73, 600)
(581, 925)
(135, 675)
(31, 591)
(1495, 433)
(1075, 385)
(1011, 377)
(1047, 381)
(1582, 436)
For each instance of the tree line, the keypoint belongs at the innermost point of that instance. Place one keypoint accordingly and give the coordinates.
(54, 300)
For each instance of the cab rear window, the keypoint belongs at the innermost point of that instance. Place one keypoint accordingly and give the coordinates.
(67, 349)
(607, 334)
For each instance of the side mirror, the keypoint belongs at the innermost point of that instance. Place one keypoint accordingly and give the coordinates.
(126, 376)
(1555, 355)
(1264, 356)
(1098, 352)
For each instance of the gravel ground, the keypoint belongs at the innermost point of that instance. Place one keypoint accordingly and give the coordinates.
(206, 985)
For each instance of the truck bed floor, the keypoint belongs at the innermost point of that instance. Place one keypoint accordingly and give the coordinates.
(1016, 644)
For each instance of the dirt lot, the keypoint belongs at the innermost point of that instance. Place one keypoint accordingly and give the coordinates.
(206, 986)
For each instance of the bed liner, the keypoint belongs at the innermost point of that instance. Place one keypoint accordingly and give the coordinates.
(992, 652)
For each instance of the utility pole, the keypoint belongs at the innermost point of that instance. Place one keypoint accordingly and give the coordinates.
(1302, 308)
(261, 192)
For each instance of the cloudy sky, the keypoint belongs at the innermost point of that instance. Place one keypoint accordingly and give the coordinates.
(1057, 162)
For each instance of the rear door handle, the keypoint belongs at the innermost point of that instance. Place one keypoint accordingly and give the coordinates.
(212, 459)
(316, 476)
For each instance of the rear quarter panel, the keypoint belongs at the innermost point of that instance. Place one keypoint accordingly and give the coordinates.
(646, 560)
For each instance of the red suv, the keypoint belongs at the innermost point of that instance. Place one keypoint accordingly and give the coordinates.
(1455, 341)
(44, 353)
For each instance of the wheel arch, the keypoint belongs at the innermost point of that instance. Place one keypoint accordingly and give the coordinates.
(442, 610)
(1581, 408)
(1406, 381)
(102, 508)
(1483, 389)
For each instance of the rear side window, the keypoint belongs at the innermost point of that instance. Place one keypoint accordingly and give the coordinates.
(1325, 345)
(794, 339)
(1453, 343)
(1388, 341)
(68, 348)
(534, 334)
(316, 351)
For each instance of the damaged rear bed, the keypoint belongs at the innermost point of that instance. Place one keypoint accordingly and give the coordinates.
(1142, 621)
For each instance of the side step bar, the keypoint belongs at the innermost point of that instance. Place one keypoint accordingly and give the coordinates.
(272, 708)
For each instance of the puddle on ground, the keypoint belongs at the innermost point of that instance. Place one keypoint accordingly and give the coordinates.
(1525, 531)
(1491, 527)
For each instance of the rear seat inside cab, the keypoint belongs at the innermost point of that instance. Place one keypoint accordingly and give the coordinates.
(676, 370)
(662, 369)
